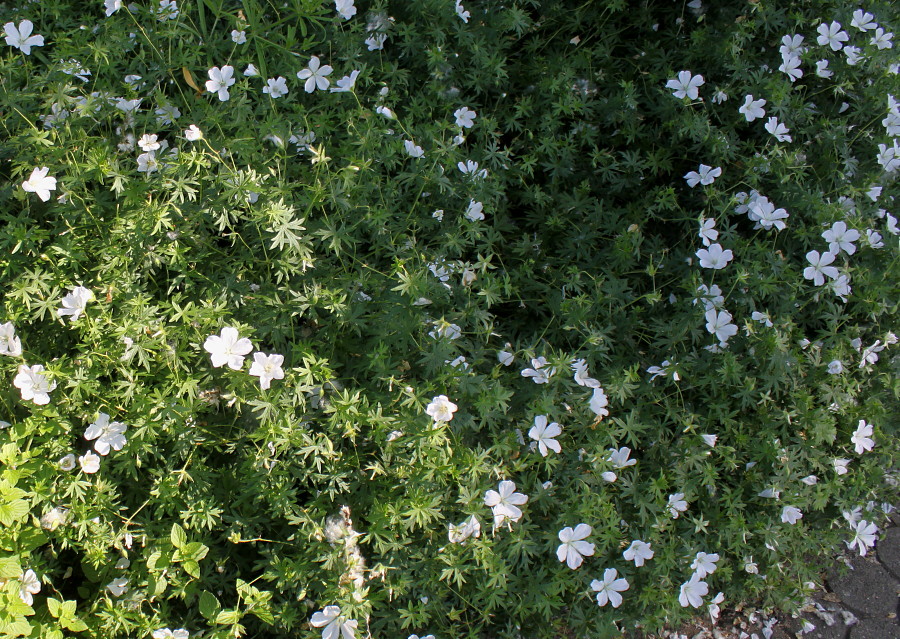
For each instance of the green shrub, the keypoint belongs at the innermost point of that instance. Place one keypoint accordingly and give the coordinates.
(271, 357)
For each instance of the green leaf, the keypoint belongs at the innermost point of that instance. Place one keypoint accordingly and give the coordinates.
(53, 606)
(10, 568)
(192, 568)
(228, 617)
(13, 511)
(179, 538)
(74, 624)
(209, 605)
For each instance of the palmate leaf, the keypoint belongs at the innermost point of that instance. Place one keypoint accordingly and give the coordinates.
(13, 511)
(285, 226)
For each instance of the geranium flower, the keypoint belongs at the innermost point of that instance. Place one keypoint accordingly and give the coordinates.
(108, 434)
(778, 129)
(505, 357)
(67, 462)
(333, 624)
(537, 373)
(581, 377)
(752, 109)
(505, 503)
(89, 462)
(889, 157)
(822, 69)
(638, 552)
(345, 8)
(573, 548)
(314, 75)
(713, 607)
(220, 80)
(39, 182)
(831, 35)
(20, 37)
(676, 505)
(228, 348)
(862, 437)
(475, 212)
(375, 42)
(75, 302)
(168, 10)
(708, 232)
(346, 83)
(791, 515)
(686, 85)
(882, 39)
(29, 585)
(864, 535)
(193, 133)
(413, 150)
(706, 176)
(469, 528)
(692, 592)
(609, 588)
(791, 45)
(620, 458)
(441, 409)
(863, 20)
(276, 87)
(462, 13)
(465, 117)
(10, 344)
(165, 633)
(33, 384)
(147, 163)
(238, 37)
(819, 267)
(840, 238)
(854, 55)
(598, 403)
(112, 6)
(118, 586)
(544, 433)
(704, 564)
(714, 257)
(267, 368)
(791, 67)
(719, 324)
(840, 466)
(765, 213)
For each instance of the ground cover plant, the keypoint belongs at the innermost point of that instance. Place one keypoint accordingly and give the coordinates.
(441, 318)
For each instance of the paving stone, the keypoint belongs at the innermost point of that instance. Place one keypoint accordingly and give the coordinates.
(875, 629)
(823, 631)
(888, 550)
(868, 589)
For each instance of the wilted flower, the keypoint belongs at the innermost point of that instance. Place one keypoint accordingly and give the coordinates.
(29, 585)
(118, 586)
(598, 403)
(469, 528)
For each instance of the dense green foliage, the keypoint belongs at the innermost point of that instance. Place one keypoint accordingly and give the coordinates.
(306, 223)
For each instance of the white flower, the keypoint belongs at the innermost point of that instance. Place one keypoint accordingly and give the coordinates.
(29, 585)
(465, 117)
(598, 403)
(345, 8)
(470, 169)
(10, 344)
(638, 552)
(573, 549)
(314, 74)
(75, 302)
(469, 528)
(706, 176)
(118, 586)
(719, 97)
(375, 42)
(840, 466)
(537, 373)
(840, 238)
(505, 503)
(333, 624)
(708, 232)
(874, 239)
(620, 458)
(750, 566)
(149, 142)
(67, 463)
(413, 149)
(220, 80)
(165, 633)
(862, 437)
(864, 535)
(832, 36)
(713, 607)
(267, 368)
(819, 267)
(251, 71)
(108, 434)
(238, 37)
(752, 109)
(581, 376)
(475, 212)
(778, 129)
(147, 163)
(505, 357)
(692, 592)
(544, 433)
(89, 462)
(112, 6)
(39, 182)
(835, 367)
(676, 505)
(822, 69)
(168, 10)
(33, 384)
(765, 213)
(882, 39)
(276, 87)
(608, 590)
(791, 515)
(714, 257)
(791, 46)
(709, 440)
(20, 37)
(686, 85)
(346, 83)
(704, 564)
(863, 20)
(385, 111)
(791, 67)
(462, 13)
(441, 409)
(193, 133)
(228, 348)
